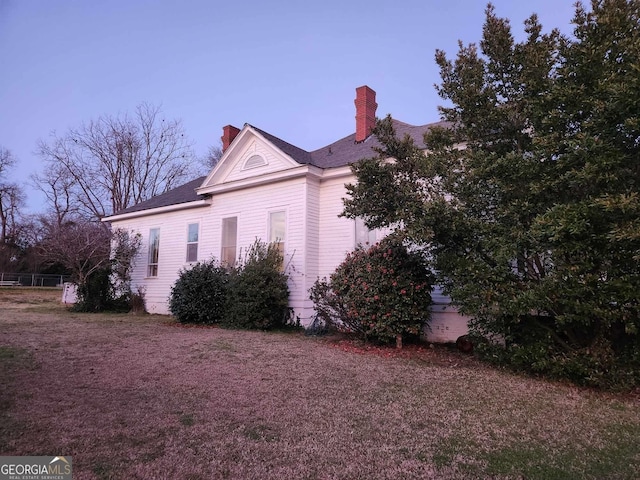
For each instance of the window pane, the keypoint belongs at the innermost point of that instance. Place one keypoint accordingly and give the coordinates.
(229, 231)
(154, 243)
(154, 251)
(192, 252)
(229, 240)
(193, 233)
(228, 256)
(192, 242)
(277, 226)
(364, 236)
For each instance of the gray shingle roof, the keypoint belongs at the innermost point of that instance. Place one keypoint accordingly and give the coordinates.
(346, 151)
(298, 154)
(182, 194)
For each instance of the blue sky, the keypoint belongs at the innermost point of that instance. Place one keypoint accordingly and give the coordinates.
(288, 67)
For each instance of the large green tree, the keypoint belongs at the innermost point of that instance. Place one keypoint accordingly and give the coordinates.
(528, 200)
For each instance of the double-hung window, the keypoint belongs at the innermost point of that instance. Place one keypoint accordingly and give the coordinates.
(154, 250)
(277, 230)
(363, 235)
(192, 242)
(229, 241)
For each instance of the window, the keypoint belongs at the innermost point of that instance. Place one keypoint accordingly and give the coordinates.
(192, 242)
(277, 230)
(363, 235)
(154, 247)
(229, 240)
(254, 161)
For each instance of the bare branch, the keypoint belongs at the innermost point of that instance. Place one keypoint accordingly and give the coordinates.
(112, 163)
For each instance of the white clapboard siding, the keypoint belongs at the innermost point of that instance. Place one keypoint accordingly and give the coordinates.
(337, 234)
(172, 252)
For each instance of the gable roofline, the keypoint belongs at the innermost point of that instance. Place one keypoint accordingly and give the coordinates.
(181, 197)
(284, 148)
(335, 156)
(295, 153)
(227, 152)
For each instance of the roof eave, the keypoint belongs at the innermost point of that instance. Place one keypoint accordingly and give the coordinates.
(269, 178)
(158, 210)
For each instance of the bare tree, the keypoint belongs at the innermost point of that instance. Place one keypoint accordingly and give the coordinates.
(211, 158)
(11, 199)
(82, 247)
(112, 163)
(58, 188)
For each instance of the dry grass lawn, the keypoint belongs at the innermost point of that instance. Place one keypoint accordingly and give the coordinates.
(140, 398)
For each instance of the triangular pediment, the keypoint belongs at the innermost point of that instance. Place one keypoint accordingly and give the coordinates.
(250, 155)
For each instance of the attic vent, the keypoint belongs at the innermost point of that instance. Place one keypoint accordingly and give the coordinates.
(254, 161)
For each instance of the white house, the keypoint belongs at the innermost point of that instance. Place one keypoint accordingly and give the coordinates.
(264, 187)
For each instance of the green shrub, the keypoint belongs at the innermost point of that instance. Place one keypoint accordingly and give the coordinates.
(535, 347)
(95, 294)
(258, 291)
(137, 301)
(200, 294)
(382, 293)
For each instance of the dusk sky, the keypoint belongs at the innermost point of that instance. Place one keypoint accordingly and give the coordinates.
(287, 67)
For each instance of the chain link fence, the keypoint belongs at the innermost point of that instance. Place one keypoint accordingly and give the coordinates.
(32, 280)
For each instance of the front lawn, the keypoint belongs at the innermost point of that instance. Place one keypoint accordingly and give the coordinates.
(139, 397)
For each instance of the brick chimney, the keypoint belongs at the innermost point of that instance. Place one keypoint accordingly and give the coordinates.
(365, 112)
(229, 133)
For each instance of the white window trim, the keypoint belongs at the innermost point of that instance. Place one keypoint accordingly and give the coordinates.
(196, 243)
(282, 243)
(372, 235)
(151, 264)
(286, 223)
(222, 246)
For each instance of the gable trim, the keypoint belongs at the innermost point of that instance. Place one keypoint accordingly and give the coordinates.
(241, 139)
(274, 177)
(158, 210)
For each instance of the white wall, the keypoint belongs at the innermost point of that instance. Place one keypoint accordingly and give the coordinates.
(172, 251)
(337, 234)
(252, 207)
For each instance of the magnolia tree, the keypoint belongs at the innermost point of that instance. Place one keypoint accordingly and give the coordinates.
(529, 201)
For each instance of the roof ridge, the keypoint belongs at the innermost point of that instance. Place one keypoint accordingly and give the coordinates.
(278, 138)
(300, 155)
